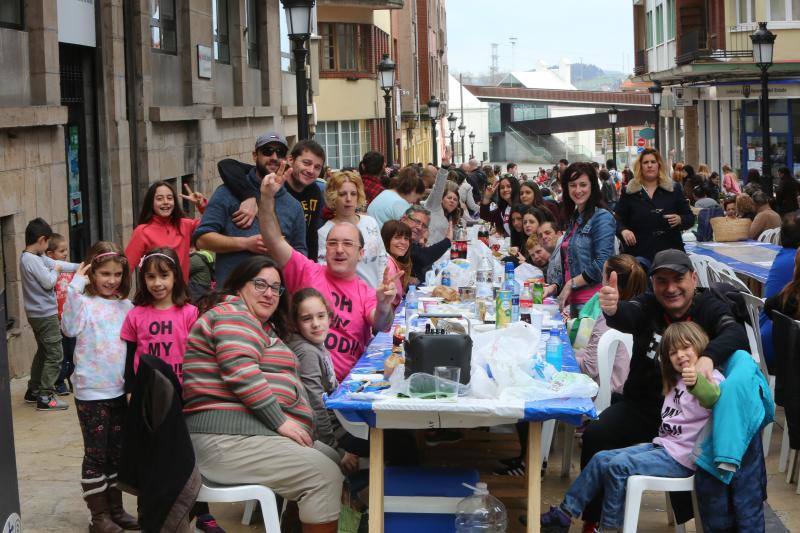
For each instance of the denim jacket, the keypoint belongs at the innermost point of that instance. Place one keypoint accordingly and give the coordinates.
(590, 246)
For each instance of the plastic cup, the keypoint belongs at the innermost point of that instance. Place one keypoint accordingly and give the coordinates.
(537, 318)
(447, 378)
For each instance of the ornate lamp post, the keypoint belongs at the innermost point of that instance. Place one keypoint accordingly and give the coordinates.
(763, 46)
(386, 71)
(462, 129)
(433, 112)
(655, 99)
(612, 119)
(451, 122)
(471, 144)
(298, 21)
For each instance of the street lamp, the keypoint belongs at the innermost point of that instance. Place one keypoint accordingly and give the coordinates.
(298, 21)
(655, 99)
(386, 70)
(612, 119)
(763, 45)
(462, 129)
(451, 122)
(471, 144)
(433, 112)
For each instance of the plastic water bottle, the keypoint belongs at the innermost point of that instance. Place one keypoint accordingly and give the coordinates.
(483, 279)
(510, 284)
(412, 303)
(553, 353)
(481, 512)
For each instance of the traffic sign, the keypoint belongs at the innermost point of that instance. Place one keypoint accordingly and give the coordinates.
(640, 142)
(640, 149)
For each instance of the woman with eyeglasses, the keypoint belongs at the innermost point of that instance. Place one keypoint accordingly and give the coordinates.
(244, 404)
(344, 195)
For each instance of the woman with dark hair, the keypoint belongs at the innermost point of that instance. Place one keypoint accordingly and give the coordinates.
(507, 189)
(786, 193)
(442, 211)
(654, 211)
(530, 194)
(396, 237)
(713, 187)
(753, 176)
(162, 224)
(245, 409)
(588, 237)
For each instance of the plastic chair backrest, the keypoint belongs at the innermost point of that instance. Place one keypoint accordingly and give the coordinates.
(725, 277)
(700, 263)
(754, 305)
(606, 354)
(776, 237)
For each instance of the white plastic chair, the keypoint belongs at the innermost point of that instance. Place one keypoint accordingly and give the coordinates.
(211, 492)
(734, 280)
(633, 499)
(770, 235)
(606, 354)
(700, 263)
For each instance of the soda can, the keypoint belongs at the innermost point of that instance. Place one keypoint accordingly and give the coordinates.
(537, 290)
(503, 309)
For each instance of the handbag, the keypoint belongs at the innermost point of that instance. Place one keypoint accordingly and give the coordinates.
(425, 351)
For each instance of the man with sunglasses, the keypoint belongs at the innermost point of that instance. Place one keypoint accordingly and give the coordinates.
(229, 227)
(358, 309)
(423, 257)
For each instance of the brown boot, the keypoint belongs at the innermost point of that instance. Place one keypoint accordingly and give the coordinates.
(329, 527)
(95, 495)
(118, 514)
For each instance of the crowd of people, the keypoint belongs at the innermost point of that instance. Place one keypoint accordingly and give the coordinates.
(267, 301)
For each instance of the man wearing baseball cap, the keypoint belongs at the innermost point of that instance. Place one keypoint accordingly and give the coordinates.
(636, 416)
(229, 226)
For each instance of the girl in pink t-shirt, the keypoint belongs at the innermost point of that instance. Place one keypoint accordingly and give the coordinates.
(396, 237)
(686, 410)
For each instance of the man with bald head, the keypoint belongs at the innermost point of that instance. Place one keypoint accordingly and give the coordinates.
(358, 309)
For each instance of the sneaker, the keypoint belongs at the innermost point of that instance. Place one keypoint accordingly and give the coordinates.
(207, 524)
(555, 520)
(442, 436)
(590, 527)
(50, 403)
(514, 467)
(30, 397)
(62, 389)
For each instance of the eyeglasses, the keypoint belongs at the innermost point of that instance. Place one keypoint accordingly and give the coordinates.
(261, 287)
(269, 150)
(347, 245)
(417, 222)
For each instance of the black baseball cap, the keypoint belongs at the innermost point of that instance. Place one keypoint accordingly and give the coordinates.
(675, 260)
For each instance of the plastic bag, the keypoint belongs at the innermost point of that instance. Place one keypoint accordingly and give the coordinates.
(506, 354)
(563, 385)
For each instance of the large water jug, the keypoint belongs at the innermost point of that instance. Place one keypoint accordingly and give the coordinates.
(481, 512)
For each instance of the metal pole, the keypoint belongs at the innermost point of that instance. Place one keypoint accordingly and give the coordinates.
(434, 143)
(766, 164)
(656, 126)
(453, 145)
(387, 97)
(300, 53)
(471, 149)
(614, 144)
(463, 151)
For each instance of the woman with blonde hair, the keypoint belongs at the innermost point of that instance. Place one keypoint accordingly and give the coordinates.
(344, 195)
(654, 212)
(730, 183)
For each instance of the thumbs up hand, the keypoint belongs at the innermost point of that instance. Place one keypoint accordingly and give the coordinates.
(609, 296)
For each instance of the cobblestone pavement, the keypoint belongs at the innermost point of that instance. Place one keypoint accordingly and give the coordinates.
(49, 451)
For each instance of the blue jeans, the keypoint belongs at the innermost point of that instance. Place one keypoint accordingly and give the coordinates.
(608, 473)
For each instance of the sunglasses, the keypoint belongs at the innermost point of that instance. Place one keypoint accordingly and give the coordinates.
(269, 150)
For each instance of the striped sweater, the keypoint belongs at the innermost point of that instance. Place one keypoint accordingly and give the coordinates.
(239, 378)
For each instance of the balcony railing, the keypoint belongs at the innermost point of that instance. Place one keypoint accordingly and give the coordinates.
(696, 45)
(640, 64)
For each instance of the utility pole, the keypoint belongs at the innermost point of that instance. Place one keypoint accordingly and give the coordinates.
(494, 68)
(513, 49)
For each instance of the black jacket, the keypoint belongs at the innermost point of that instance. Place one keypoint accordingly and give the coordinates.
(158, 462)
(423, 258)
(644, 216)
(645, 319)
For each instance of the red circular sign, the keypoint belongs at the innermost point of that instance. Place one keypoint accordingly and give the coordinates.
(640, 142)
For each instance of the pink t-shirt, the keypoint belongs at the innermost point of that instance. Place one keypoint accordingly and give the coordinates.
(392, 269)
(352, 301)
(682, 420)
(161, 333)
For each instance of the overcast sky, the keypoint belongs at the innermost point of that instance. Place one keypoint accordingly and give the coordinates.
(598, 31)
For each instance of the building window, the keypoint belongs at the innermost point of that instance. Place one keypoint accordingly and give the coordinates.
(6, 268)
(670, 19)
(12, 14)
(659, 23)
(219, 23)
(343, 141)
(648, 29)
(784, 10)
(344, 47)
(745, 11)
(251, 32)
(163, 36)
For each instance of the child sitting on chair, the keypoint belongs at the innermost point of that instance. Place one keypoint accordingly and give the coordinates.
(669, 455)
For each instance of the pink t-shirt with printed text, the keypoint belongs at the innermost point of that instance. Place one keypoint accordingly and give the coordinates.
(161, 333)
(352, 301)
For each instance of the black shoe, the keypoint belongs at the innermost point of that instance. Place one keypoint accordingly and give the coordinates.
(30, 397)
(50, 403)
(513, 467)
(443, 436)
(61, 389)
